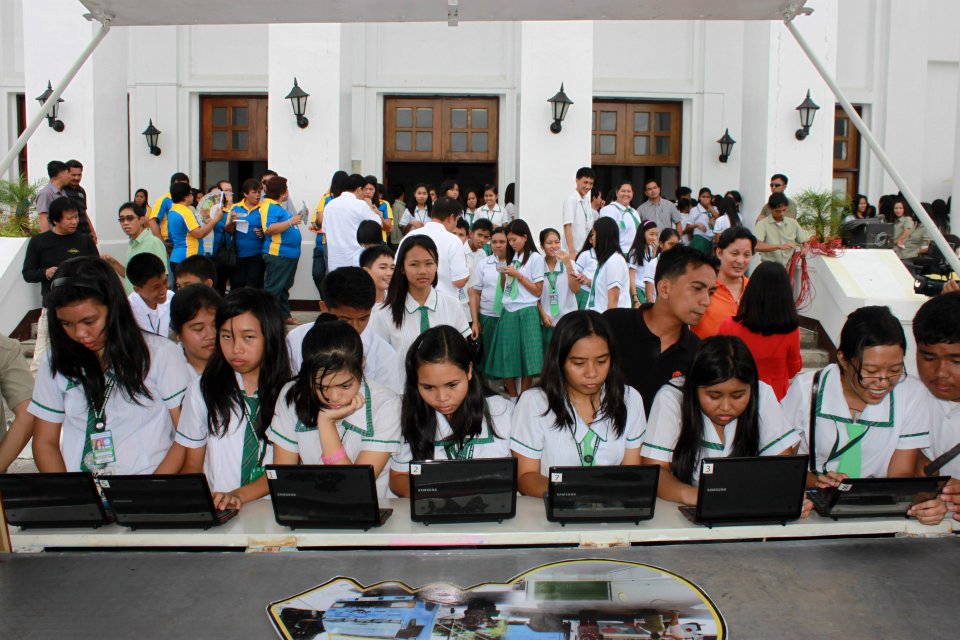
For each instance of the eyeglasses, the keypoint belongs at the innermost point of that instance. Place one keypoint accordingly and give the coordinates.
(893, 379)
(775, 185)
(127, 218)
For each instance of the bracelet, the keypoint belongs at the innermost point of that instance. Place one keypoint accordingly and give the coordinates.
(335, 457)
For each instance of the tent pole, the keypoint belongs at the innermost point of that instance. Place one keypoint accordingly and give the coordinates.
(61, 87)
(861, 126)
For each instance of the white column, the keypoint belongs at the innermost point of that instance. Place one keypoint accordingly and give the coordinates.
(552, 53)
(955, 202)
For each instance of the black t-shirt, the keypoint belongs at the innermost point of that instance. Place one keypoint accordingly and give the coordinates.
(79, 197)
(48, 249)
(641, 363)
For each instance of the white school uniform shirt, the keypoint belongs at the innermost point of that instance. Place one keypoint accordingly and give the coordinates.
(452, 264)
(721, 225)
(380, 433)
(472, 258)
(944, 435)
(578, 213)
(223, 458)
(565, 298)
(380, 361)
(441, 309)
(511, 210)
(776, 434)
(142, 433)
(612, 273)
(587, 263)
(420, 215)
(536, 436)
(533, 272)
(497, 216)
(627, 219)
(155, 321)
(486, 281)
(341, 218)
(901, 421)
(493, 443)
(699, 215)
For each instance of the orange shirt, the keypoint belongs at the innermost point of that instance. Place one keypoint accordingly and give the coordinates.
(722, 306)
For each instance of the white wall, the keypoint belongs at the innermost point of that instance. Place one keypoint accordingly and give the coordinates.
(11, 73)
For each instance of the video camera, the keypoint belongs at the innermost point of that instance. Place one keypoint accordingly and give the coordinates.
(932, 271)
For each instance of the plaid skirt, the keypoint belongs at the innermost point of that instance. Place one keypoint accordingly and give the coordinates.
(488, 327)
(517, 349)
(546, 333)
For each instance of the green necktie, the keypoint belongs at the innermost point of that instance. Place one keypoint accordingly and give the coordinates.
(554, 295)
(851, 459)
(498, 297)
(515, 285)
(588, 449)
(424, 319)
(251, 464)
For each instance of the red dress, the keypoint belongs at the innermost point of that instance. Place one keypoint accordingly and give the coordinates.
(777, 356)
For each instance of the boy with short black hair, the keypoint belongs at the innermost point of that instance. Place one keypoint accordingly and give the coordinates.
(462, 230)
(378, 262)
(150, 300)
(196, 270)
(577, 217)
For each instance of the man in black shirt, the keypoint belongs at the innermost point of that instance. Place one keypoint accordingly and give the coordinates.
(655, 342)
(79, 196)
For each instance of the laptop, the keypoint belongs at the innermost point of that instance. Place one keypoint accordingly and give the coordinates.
(51, 500)
(753, 490)
(175, 501)
(875, 497)
(602, 494)
(479, 490)
(325, 496)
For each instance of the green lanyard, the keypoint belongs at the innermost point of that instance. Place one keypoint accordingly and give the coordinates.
(554, 294)
(463, 452)
(96, 423)
(254, 448)
(593, 285)
(588, 450)
(513, 287)
(623, 212)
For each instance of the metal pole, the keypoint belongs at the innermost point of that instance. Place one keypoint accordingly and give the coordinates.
(861, 126)
(61, 87)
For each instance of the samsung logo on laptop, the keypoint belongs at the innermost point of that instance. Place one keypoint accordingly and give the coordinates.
(716, 490)
(427, 490)
(286, 494)
(566, 494)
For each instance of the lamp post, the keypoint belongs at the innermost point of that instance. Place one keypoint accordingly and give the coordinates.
(152, 134)
(807, 109)
(52, 121)
(726, 145)
(298, 100)
(560, 103)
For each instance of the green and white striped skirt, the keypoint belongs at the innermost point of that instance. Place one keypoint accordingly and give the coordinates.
(517, 349)
(488, 328)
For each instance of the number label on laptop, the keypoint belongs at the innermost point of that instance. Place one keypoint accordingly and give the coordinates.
(414, 469)
(707, 468)
(103, 482)
(844, 486)
(556, 477)
(271, 474)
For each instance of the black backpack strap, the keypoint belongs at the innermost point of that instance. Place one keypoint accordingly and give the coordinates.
(934, 467)
(812, 429)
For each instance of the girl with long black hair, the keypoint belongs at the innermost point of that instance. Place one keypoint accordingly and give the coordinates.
(560, 284)
(419, 214)
(643, 250)
(582, 413)
(610, 285)
(107, 396)
(669, 238)
(448, 413)
(721, 409)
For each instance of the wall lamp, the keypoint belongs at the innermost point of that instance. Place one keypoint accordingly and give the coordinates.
(808, 109)
(298, 100)
(56, 125)
(152, 134)
(560, 103)
(726, 145)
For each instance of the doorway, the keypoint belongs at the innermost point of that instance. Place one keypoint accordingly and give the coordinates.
(233, 139)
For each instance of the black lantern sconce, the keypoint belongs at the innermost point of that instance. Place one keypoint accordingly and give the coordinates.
(726, 145)
(298, 100)
(560, 103)
(56, 125)
(152, 134)
(808, 109)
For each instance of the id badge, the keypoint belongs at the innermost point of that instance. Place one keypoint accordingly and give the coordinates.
(463, 295)
(101, 445)
(554, 298)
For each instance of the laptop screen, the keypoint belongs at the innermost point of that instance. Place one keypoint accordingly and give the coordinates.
(324, 493)
(454, 488)
(597, 493)
(764, 487)
(892, 496)
(50, 497)
(166, 498)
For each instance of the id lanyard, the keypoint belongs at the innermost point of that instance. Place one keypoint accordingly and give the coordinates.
(153, 329)
(420, 215)
(98, 446)
(254, 449)
(463, 452)
(593, 285)
(623, 214)
(586, 216)
(554, 293)
(588, 449)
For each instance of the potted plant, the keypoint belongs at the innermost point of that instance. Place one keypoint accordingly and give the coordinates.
(17, 213)
(822, 212)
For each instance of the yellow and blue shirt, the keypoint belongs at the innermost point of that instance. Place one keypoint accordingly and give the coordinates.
(159, 212)
(180, 222)
(387, 214)
(285, 244)
(249, 244)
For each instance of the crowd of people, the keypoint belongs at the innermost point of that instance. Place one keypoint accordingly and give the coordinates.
(621, 336)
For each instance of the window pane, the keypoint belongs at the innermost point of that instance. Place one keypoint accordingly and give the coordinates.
(662, 121)
(405, 118)
(479, 118)
(478, 142)
(424, 140)
(404, 141)
(424, 118)
(594, 121)
(839, 150)
(593, 143)
(641, 121)
(608, 121)
(661, 146)
(240, 140)
(641, 145)
(458, 118)
(608, 145)
(240, 116)
(458, 141)
(840, 185)
(220, 117)
(840, 127)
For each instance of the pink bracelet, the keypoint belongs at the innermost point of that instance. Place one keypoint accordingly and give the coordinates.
(336, 457)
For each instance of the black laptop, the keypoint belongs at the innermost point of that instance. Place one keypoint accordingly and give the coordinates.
(49, 500)
(176, 501)
(762, 489)
(479, 490)
(622, 493)
(875, 497)
(325, 496)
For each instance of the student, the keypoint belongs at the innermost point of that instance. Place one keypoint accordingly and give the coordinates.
(452, 271)
(668, 239)
(462, 230)
(471, 200)
(734, 251)
(226, 411)
(150, 300)
(349, 295)
(560, 284)
(157, 216)
(281, 244)
(586, 268)
(871, 419)
(371, 193)
(183, 229)
(581, 413)
(577, 217)
(413, 304)
(449, 189)
(378, 262)
(486, 294)
(768, 323)
(448, 412)
(729, 217)
(419, 214)
(624, 215)
(517, 348)
(698, 223)
(193, 313)
(133, 224)
(197, 270)
(720, 409)
(369, 234)
(104, 385)
(473, 252)
(249, 269)
(642, 251)
(490, 209)
(510, 202)
(610, 284)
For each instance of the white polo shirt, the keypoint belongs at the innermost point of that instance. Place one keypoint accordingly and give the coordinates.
(472, 258)
(142, 433)
(485, 281)
(776, 435)
(562, 296)
(648, 274)
(627, 219)
(380, 361)
(341, 218)
(372, 427)
(901, 421)
(452, 264)
(578, 213)
(223, 457)
(944, 435)
(489, 444)
(587, 263)
(699, 215)
(532, 271)
(155, 321)
(420, 215)
(497, 216)
(536, 436)
(721, 225)
(441, 309)
(613, 273)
